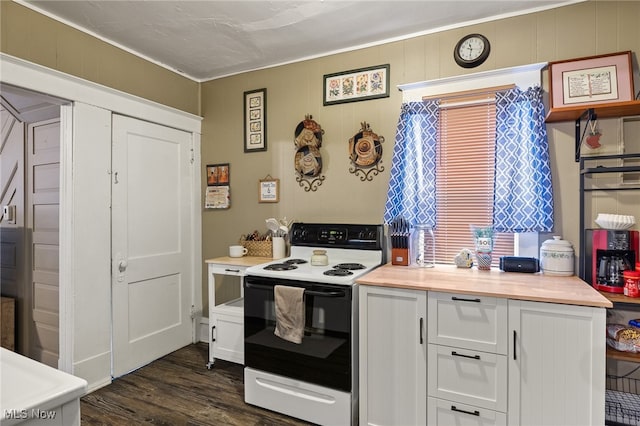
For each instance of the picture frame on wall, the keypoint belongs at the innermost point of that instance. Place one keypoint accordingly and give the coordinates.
(269, 190)
(255, 120)
(591, 80)
(356, 85)
(218, 192)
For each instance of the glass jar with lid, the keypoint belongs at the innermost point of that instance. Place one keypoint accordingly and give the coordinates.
(423, 246)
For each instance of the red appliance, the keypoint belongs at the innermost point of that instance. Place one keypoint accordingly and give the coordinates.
(612, 252)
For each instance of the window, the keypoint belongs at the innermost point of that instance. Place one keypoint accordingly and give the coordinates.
(465, 176)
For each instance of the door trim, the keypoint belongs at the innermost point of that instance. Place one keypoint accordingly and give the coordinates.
(35, 77)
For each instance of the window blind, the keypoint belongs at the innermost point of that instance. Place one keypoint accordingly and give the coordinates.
(464, 176)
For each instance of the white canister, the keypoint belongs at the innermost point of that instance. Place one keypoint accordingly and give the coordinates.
(319, 258)
(556, 257)
(279, 248)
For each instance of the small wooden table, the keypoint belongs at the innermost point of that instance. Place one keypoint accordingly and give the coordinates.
(226, 320)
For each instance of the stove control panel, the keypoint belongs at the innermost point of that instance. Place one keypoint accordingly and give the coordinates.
(337, 235)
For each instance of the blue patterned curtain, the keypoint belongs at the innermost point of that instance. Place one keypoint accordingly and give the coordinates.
(522, 193)
(412, 190)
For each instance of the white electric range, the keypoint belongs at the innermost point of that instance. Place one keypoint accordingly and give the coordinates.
(317, 379)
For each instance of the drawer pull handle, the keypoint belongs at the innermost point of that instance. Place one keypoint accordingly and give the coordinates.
(454, 353)
(232, 270)
(472, 413)
(462, 299)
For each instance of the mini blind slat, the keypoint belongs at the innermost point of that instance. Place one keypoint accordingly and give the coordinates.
(464, 178)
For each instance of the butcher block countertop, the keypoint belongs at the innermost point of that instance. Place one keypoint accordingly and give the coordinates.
(512, 285)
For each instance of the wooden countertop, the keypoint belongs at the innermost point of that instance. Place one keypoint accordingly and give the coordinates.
(240, 261)
(512, 285)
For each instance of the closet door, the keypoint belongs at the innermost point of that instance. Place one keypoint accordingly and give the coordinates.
(151, 247)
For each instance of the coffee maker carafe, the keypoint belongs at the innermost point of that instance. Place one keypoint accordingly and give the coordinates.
(612, 253)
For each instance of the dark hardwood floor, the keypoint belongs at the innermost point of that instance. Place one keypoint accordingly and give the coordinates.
(178, 389)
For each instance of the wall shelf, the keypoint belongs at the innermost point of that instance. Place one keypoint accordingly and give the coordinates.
(608, 110)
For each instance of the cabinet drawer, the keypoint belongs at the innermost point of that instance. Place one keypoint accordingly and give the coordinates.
(470, 377)
(471, 322)
(441, 412)
(227, 269)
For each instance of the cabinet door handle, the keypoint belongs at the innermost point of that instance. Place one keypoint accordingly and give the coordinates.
(454, 353)
(472, 413)
(514, 344)
(421, 326)
(213, 335)
(462, 299)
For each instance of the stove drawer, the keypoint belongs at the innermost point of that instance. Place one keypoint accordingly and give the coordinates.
(471, 322)
(469, 377)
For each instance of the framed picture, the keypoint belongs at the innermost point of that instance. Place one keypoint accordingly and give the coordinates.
(269, 190)
(356, 85)
(591, 80)
(218, 174)
(218, 193)
(255, 120)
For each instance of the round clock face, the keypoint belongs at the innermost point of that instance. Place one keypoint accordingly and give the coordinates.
(471, 50)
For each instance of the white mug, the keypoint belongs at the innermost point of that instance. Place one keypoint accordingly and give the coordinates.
(237, 251)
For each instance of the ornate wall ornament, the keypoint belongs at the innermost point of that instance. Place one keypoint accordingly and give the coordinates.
(365, 153)
(308, 160)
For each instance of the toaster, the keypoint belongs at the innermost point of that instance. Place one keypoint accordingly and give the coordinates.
(519, 264)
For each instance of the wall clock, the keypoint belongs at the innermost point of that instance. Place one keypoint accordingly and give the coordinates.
(472, 50)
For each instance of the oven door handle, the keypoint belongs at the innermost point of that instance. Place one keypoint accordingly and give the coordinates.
(307, 292)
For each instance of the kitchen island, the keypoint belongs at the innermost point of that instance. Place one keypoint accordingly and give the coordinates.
(446, 345)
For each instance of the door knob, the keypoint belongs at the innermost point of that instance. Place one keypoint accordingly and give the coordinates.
(122, 266)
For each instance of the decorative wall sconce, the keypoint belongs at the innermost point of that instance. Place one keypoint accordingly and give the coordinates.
(365, 153)
(308, 161)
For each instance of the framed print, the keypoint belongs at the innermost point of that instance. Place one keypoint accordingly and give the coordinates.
(255, 120)
(269, 190)
(356, 85)
(218, 174)
(591, 80)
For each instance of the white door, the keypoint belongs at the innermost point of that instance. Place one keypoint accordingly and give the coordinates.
(151, 242)
(42, 217)
(556, 364)
(393, 356)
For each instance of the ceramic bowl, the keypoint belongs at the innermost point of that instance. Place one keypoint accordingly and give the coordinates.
(615, 221)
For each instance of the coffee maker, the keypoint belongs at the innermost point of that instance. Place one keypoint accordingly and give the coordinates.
(608, 254)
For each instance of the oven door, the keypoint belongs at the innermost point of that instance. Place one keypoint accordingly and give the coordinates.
(324, 356)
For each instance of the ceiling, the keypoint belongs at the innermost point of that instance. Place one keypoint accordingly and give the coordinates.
(209, 39)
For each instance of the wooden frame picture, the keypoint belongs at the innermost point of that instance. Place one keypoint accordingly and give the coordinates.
(356, 85)
(269, 190)
(218, 193)
(255, 120)
(591, 80)
(218, 174)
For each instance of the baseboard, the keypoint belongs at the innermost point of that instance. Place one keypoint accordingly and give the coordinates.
(95, 370)
(203, 330)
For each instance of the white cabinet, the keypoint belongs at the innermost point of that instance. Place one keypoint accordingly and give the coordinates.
(556, 364)
(491, 360)
(226, 320)
(393, 356)
(467, 356)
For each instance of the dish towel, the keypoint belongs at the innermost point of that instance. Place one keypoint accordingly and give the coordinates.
(289, 313)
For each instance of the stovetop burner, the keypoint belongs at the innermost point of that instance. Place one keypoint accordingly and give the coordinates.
(350, 266)
(295, 261)
(337, 272)
(280, 267)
